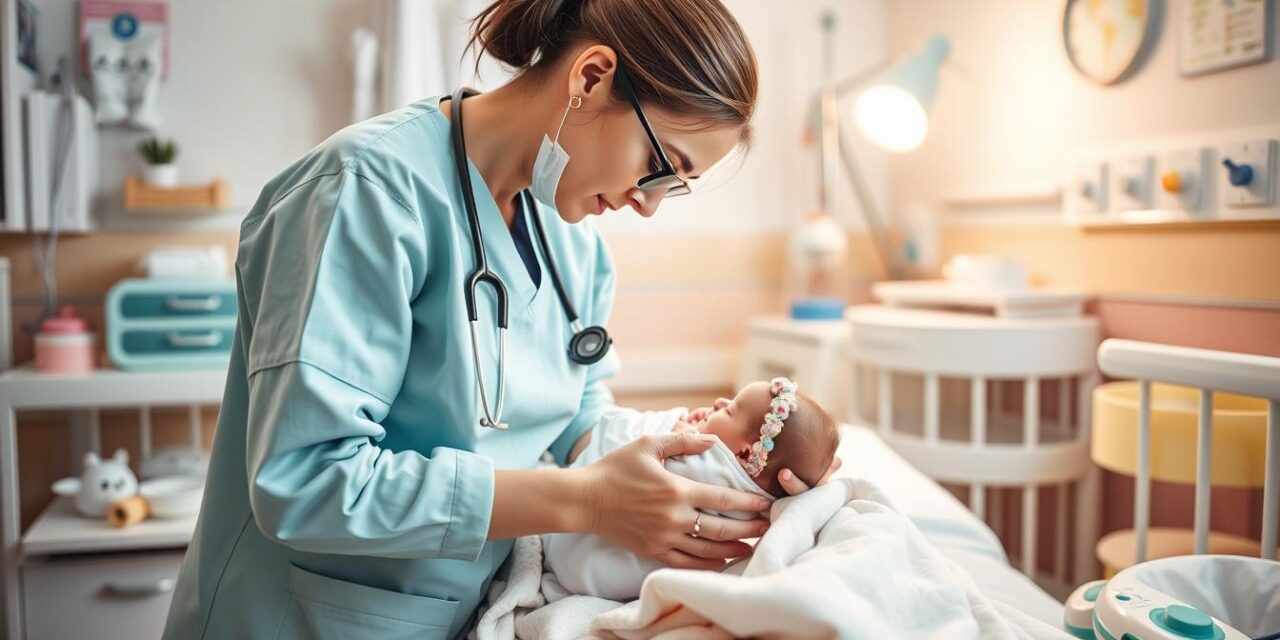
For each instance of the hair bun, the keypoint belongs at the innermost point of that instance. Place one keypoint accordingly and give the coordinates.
(519, 32)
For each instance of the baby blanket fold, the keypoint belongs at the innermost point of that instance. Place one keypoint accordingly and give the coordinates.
(838, 562)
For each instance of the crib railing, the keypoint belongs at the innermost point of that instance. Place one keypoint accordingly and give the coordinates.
(1208, 371)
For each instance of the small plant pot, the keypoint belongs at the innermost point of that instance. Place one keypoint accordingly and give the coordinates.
(160, 175)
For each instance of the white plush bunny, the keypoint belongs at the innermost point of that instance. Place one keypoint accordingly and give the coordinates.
(102, 483)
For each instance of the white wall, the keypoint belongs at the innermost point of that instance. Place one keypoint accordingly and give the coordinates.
(1011, 107)
(776, 183)
(255, 84)
(251, 86)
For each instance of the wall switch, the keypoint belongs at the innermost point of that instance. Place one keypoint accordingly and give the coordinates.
(1247, 173)
(1180, 179)
(1131, 183)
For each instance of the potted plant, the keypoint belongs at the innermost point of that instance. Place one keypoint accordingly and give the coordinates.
(160, 170)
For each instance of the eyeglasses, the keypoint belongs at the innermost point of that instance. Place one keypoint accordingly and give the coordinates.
(665, 178)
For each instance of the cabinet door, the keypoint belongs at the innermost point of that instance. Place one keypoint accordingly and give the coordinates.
(103, 597)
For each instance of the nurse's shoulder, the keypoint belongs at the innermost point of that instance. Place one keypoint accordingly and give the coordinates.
(403, 152)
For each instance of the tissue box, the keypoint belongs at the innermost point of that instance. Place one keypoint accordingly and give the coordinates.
(169, 324)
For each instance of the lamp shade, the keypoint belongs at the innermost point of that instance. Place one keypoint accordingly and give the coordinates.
(893, 113)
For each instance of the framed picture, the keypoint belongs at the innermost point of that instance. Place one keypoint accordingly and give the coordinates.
(1214, 35)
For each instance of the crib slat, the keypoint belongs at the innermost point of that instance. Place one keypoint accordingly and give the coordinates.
(1142, 481)
(931, 408)
(1060, 534)
(885, 400)
(95, 431)
(1029, 530)
(978, 411)
(1064, 406)
(978, 500)
(1271, 485)
(193, 418)
(1031, 412)
(1204, 464)
(144, 432)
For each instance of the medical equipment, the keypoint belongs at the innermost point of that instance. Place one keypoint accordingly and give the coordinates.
(1181, 597)
(143, 59)
(588, 344)
(171, 323)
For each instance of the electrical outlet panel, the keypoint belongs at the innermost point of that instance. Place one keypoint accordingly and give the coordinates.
(1131, 183)
(1247, 173)
(1181, 178)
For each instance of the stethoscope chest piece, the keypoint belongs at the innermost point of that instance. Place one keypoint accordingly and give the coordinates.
(589, 345)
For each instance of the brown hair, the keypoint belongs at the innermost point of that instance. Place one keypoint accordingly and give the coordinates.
(806, 446)
(689, 57)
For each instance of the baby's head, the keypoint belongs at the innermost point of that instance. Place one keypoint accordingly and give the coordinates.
(806, 445)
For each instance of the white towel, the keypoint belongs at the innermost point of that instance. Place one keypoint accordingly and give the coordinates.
(839, 561)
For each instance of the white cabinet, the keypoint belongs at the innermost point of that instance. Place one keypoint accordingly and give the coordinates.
(104, 597)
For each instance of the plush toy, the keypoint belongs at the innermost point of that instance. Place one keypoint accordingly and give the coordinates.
(103, 483)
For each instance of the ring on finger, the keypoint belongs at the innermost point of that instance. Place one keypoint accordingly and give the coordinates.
(697, 525)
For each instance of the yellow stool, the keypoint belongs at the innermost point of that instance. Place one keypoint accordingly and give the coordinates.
(1239, 426)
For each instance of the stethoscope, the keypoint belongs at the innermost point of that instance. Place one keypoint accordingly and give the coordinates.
(588, 344)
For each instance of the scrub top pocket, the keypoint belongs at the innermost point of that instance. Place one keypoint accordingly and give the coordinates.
(326, 608)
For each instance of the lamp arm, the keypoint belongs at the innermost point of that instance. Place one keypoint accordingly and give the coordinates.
(871, 214)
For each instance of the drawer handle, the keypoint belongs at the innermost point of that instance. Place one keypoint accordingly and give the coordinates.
(210, 303)
(139, 589)
(211, 339)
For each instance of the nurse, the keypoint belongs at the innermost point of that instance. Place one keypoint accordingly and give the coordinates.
(353, 491)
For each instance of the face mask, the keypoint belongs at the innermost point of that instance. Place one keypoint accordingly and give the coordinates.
(550, 162)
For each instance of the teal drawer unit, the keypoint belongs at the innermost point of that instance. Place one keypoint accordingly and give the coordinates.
(168, 324)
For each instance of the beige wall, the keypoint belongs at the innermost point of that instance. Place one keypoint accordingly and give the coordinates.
(1010, 107)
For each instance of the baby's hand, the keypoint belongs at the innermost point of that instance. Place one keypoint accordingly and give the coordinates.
(684, 427)
(697, 415)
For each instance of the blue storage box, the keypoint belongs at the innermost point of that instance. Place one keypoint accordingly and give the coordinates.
(168, 324)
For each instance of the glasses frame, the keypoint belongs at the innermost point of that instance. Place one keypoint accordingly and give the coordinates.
(665, 178)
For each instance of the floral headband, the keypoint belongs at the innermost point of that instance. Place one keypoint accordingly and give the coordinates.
(780, 408)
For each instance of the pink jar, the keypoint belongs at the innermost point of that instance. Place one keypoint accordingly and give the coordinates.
(64, 344)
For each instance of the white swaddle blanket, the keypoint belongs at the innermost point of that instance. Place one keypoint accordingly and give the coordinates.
(585, 564)
(838, 562)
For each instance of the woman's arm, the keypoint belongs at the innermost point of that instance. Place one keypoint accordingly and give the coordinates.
(628, 498)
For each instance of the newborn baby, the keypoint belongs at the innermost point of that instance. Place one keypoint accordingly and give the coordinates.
(767, 427)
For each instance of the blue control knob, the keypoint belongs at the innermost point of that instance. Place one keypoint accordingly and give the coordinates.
(1240, 175)
(1185, 621)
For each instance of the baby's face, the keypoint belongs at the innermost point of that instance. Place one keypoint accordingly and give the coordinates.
(737, 422)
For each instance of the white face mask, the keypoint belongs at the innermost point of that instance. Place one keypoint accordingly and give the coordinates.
(550, 162)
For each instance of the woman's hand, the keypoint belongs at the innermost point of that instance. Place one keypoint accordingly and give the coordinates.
(634, 502)
(793, 485)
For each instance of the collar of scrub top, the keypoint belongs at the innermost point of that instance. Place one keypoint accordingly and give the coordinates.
(588, 344)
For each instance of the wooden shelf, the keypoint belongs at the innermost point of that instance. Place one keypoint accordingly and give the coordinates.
(141, 196)
(60, 529)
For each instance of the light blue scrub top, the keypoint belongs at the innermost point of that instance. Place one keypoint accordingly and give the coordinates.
(350, 484)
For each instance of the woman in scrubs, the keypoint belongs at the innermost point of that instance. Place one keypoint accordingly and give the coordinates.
(352, 492)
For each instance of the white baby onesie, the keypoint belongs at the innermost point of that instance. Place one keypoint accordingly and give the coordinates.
(588, 564)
